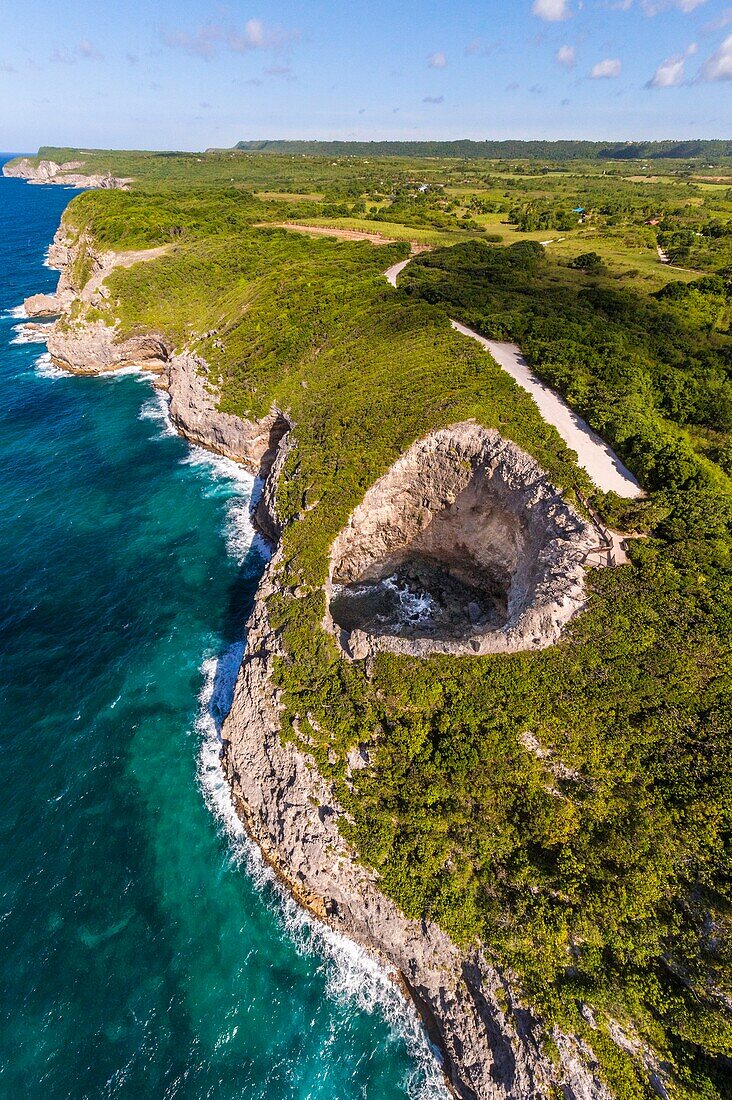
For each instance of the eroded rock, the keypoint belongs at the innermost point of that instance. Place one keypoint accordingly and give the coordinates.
(67, 174)
(462, 547)
(93, 348)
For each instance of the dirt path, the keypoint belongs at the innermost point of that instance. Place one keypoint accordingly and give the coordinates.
(593, 454)
(344, 234)
(111, 260)
(328, 231)
(392, 273)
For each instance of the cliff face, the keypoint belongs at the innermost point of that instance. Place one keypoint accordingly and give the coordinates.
(68, 174)
(94, 347)
(490, 1044)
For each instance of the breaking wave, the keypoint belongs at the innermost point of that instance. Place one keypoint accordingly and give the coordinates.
(18, 313)
(24, 335)
(155, 409)
(46, 368)
(229, 479)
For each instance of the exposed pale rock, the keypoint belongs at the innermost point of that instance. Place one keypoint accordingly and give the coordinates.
(47, 305)
(491, 1045)
(194, 411)
(92, 348)
(462, 547)
(47, 171)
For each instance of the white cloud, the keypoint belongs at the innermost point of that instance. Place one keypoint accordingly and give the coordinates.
(654, 7)
(565, 56)
(552, 11)
(603, 70)
(484, 49)
(719, 65)
(202, 43)
(723, 20)
(206, 39)
(84, 51)
(669, 74)
(437, 60)
(254, 33)
(87, 50)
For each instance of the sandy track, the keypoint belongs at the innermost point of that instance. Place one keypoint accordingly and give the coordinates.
(345, 235)
(593, 454)
(328, 231)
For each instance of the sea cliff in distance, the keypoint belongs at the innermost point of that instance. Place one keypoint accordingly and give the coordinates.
(482, 722)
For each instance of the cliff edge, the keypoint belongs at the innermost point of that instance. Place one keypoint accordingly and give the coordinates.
(68, 174)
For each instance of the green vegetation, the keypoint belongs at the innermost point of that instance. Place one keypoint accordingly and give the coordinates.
(621, 201)
(597, 870)
(535, 150)
(651, 375)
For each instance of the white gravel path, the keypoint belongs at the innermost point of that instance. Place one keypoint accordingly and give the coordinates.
(593, 454)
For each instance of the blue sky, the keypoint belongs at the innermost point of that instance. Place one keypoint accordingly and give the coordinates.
(189, 74)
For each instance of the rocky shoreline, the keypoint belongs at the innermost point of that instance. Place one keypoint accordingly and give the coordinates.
(490, 1045)
(65, 175)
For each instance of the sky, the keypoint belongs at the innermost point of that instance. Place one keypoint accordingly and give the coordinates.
(189, 74)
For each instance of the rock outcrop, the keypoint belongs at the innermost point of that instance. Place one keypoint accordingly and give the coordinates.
(67, 174)
(62, 255)
(462, 547)
(93, 348)
(195, 413)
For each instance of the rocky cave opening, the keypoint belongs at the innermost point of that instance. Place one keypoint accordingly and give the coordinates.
(462, 547)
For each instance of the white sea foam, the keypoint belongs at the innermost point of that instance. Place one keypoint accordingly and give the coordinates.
(125, 372)
(25, 335)
(17, 312)
(414, 607)
(229, 479)
(156, 409)
(46, 368)
(352, 976)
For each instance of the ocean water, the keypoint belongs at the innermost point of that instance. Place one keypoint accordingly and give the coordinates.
(145, 951)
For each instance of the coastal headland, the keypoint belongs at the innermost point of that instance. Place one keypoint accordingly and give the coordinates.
(425, 558)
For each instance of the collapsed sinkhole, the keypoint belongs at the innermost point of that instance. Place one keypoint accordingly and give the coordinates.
(463, 546)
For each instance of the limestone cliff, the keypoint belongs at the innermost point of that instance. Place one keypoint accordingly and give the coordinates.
(462, 547)
(85, 346)
(67, 174)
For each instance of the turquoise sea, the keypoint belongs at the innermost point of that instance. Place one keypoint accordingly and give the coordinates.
(144, 950)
